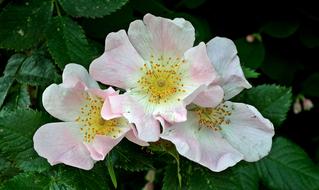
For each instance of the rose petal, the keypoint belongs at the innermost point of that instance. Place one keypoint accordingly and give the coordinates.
(160, 36)
(248, 131)
(222, 53)
(201, 144)
(62, 143)
(63, 103)
(120, 63)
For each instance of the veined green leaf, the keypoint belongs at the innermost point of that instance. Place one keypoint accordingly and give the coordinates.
(92, 8)
(22, 26)
(288, 167)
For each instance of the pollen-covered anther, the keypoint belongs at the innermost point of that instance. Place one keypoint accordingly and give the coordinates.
(93, 124)
(213, 118)
(161, 79)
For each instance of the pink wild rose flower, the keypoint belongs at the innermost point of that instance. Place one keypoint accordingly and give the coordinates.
(83, 137)
(161, 71)
(220, 136)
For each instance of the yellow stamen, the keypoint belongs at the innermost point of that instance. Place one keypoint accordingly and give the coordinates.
(161, 79)
(93, 124)
(213, 118)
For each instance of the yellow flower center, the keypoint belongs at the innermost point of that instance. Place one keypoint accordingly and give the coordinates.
(212, 118)
(161, 79)
(93, 124)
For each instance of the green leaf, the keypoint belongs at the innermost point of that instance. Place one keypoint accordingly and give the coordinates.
(67, 43)
(280, 29)
(310, 85)
(151, 6)
(192, 4)
(111, 171)
(288, 167)
(92, 8)
(22, 26)
(26, 181)
(170, 180)
(16, 133)
(37, 70)
(272, 101)
(309, 35)
(130, 157)
(6, 81)
(280, 67)
(250, 73)
(19, 98)
(251, 54)
(203, 178)
(97, 178)
(246, 175)
(5, 84)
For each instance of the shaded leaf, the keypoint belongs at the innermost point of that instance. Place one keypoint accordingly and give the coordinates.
(251, 54)
(67, 43)
(130, 157)
(22, 26)
(246, 175)
(37, 70)
(32, 181)
(310, 85)
(10, 71)
(92, 8)
(280, 28)
(288, 167)
(19, 98)
(170, 180)
(16, 133)
(272, 101)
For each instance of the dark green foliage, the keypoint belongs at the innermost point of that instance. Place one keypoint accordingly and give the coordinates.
(288, 167)
(272, 101)
(67, 42)
(93, 8)
(22, 26)
(251, 53)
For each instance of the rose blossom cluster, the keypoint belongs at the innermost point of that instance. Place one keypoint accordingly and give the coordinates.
(173, 91)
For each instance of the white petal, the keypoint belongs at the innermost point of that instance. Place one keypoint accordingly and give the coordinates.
(160, 36)
(63, 103)
(201, 144)
(120, 63)
(222, 53)
(62, 143)
(248, 131)
(74, 73)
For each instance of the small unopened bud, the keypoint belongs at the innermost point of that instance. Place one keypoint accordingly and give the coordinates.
(297, 107)
(148, 186)
(250, 38)
(307, 104)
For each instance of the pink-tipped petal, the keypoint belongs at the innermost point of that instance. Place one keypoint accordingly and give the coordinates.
(202, 145)
(210, 97)
(74, 73)
(101, 146)
(63, 103)
(248, 131)
(158, 36)
(222, 53)
(147, 127)
(120, 63)
(201, 70)
(132, 136)
(112, 107)
(62, 143)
